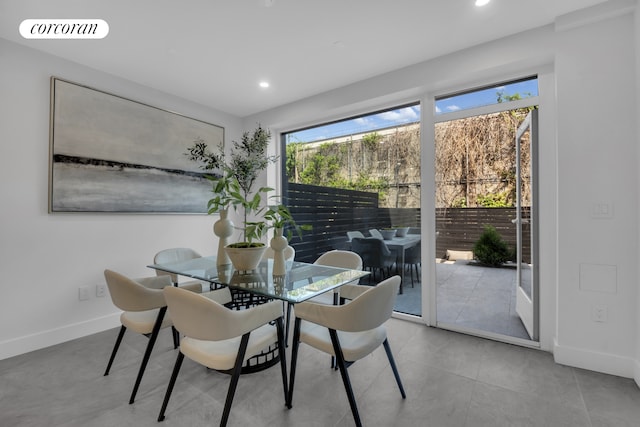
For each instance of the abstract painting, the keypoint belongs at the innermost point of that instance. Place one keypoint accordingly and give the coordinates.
(111, 154)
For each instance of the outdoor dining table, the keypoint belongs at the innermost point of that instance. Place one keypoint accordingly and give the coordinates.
(401, 244)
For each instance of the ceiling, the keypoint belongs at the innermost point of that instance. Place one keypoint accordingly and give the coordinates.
(215, 52)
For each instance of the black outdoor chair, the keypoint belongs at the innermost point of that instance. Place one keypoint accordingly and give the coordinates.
(413, 261)
(375, 255)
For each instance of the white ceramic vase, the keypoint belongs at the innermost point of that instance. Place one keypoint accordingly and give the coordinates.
(279, 243)
(223, 228)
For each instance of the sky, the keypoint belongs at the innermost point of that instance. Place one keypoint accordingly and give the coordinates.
(411, 114)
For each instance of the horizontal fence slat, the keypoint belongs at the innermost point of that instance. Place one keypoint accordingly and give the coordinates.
(332, 212)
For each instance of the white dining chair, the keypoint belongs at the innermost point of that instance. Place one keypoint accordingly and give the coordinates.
(349, 332)
(223, 339)
(144, 311)
(340, 259)
(172, 255)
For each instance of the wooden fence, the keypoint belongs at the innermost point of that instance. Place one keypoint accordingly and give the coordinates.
(332, 212)
(460, 228)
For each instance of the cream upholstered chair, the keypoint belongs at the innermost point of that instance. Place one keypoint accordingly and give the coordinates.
(144, 311)
(223, 339)
(171, 255)
(349, 332)
(289, 253)
(341, 259)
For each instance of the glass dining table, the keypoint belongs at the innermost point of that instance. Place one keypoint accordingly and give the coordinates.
(301, 282)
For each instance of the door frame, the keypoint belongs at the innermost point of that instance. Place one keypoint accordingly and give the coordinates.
(429, 119)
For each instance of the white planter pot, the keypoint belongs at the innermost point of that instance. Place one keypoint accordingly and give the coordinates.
(245, 259)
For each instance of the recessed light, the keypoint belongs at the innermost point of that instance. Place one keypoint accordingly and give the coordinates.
(264, 84)
(482, 2)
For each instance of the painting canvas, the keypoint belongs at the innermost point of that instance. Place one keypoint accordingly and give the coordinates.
(112, 154)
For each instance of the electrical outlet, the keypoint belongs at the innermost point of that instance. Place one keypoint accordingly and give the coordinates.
(101, 290)
(599, 313)
(83, 293)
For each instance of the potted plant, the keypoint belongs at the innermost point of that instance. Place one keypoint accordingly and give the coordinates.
(233, 186)
(234, 189)
(401, 230)
(388, 233)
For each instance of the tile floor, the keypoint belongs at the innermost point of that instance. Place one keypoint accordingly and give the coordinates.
(470, 296)
(451, 379)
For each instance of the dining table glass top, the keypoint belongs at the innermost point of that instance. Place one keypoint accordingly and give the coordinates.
(301, 282)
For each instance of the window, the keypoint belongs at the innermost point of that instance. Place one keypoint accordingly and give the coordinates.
(496, 94)
(377, 152)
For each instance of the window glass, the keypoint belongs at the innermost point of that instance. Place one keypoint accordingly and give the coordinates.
(498, 94)
(357, 125)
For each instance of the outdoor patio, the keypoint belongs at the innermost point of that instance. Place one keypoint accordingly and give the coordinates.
(470, 296)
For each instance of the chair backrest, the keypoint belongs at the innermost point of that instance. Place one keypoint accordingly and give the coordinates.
(340, 259)
(129, 295)
(168, 256)
(373, 251)
(376, 233)
(352, 234)
(413, 255)
(367, 311)
(199, 317)
(373, 307)
(289, 253)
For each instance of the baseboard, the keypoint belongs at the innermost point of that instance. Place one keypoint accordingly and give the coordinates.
(636, 372)
(595, 361)
(28, 343)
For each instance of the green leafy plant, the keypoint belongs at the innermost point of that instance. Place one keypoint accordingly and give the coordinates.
(278, 216)
(491, 249)
(493, 200)
(234, 188)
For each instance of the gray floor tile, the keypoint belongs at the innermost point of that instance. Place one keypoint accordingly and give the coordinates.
(451, 379)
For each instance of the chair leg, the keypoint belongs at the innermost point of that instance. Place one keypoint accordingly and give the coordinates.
(286, 328)
(176, 337)
(234, 379)
(147, 352)
(294, 359)
(283, 356)
(411, 266)
(123, 329)
(345, 376)
(392, 362)
(172, 382)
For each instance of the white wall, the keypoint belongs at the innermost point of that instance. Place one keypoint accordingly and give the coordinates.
(597, 157)
(45, 258)
(588, 155)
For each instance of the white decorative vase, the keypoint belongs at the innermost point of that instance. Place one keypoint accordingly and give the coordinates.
(223, 228)
(279, 243)
(246, 259)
